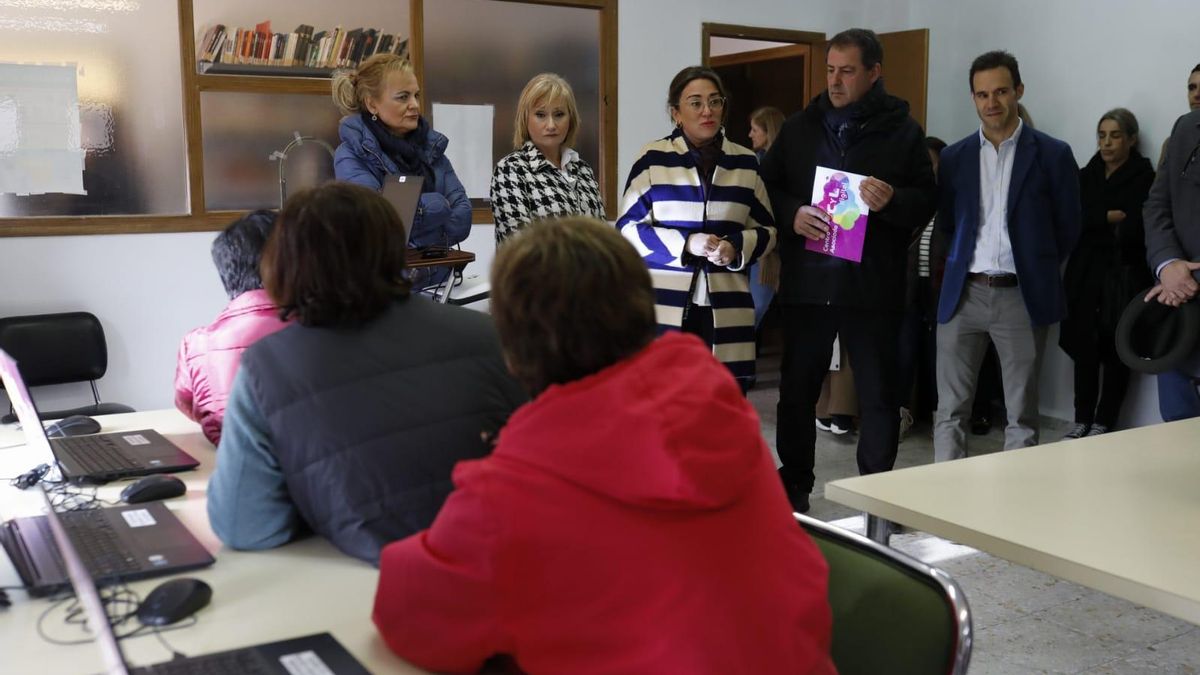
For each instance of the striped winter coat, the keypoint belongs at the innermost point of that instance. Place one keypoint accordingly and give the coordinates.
(665, 201)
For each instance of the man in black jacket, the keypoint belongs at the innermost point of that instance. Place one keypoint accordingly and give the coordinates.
(854, 126)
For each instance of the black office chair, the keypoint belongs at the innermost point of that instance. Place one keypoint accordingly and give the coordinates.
(59, 349)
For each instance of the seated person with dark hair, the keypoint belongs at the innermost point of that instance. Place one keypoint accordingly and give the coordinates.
(209, 355)
(348, 422)
(630, 519)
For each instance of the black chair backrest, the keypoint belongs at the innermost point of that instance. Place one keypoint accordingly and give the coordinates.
(56, 348)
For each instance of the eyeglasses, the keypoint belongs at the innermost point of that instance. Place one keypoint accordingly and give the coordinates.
(715, 104)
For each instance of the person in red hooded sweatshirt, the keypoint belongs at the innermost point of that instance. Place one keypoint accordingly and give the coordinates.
(630, 519)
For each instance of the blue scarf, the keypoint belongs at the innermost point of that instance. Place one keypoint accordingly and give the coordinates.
(406, 151)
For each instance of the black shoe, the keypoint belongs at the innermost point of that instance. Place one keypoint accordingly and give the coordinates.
(798, 500)
(981, 425)
(797, 496)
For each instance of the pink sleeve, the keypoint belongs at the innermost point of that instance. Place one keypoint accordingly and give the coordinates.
(184, 387)
(436, 605)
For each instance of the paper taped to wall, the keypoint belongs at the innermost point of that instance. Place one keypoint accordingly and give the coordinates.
(469, 128)
(40, 148)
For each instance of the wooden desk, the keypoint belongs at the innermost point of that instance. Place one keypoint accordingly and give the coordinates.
(1119, 513)
(301, 588)
(453, 258)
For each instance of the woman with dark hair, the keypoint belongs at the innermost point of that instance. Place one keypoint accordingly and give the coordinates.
(384, 133)
(209, 356)
(1106, 270)
(348, 422)
(599, 535)
(697, 211)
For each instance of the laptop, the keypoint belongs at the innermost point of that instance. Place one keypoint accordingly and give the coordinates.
(312, 654)
(97, 458)
(133, 541)
(404, 194)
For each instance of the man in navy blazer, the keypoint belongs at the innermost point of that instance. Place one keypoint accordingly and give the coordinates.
(1010, 206)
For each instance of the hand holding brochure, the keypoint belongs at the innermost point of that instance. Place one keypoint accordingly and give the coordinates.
(839, 193)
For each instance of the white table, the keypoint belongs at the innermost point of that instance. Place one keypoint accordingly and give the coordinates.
(302, 588)
(1119, 513)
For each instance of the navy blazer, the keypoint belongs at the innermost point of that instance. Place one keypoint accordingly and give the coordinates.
(1043, 220)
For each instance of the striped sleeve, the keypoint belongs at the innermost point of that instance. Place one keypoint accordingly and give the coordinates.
(659, 245)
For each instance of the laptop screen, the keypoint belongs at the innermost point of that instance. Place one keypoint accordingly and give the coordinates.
(85, 590)
(22, 403)
(404, 193)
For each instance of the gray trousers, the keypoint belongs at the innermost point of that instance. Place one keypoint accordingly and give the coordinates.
(961, 345)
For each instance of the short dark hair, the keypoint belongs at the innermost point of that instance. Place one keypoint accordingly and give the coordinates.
(570, 297)
(684, 77)
(238, 248)
(865, 39)
(935, 144)
(995, 59)
(336, 257)
(1195, 70)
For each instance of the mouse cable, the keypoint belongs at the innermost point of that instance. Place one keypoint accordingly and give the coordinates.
(74, 618)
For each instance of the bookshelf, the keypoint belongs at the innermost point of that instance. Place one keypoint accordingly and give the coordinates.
(255, 79)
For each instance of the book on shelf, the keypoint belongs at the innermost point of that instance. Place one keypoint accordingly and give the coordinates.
(220, 47)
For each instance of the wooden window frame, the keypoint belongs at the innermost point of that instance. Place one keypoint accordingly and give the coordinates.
(200, 219)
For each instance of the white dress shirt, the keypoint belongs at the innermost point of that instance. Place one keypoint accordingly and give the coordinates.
(993, 248)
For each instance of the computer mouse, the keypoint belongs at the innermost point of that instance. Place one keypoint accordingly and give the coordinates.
(75, 425)
(174, 600)
(152, 488)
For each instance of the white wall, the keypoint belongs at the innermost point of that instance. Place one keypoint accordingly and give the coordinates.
(147, 290)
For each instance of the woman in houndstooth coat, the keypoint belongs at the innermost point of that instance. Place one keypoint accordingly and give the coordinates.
(544, 176)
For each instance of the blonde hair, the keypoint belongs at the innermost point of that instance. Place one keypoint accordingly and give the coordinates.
(545, 88)
(352, 89)
(770, 120)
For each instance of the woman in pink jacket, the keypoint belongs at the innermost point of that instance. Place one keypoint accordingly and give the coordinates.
(209, 356)
(629, 519)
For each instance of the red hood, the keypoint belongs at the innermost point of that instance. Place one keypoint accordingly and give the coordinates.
(667, 428)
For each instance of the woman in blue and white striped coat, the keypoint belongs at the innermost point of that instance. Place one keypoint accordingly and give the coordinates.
(697, 211)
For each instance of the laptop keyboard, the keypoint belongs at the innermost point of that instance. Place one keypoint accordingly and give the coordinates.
(98, 544)
(98, 455)
(238, 662)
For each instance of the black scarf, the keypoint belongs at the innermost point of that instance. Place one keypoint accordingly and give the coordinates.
(843, 123)
(706, 157)
(405, 151)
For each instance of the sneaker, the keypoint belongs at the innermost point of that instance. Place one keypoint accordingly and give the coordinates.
(825, 423)
(906, 422)
(1096, 430)
(841, 424)
(1080, 430)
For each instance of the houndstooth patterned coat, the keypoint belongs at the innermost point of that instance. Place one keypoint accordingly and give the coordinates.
(526, 187)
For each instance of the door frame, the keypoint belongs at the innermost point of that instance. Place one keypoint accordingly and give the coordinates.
(728, 30)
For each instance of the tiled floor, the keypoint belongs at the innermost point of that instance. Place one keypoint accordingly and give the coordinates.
(1025, 621)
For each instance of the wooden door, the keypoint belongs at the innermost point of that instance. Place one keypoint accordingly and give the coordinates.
(906, 68)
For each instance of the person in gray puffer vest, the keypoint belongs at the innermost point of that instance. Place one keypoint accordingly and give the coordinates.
(348, 422)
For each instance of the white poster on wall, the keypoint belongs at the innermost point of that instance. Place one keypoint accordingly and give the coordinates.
(40, 149)
(469, 128)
